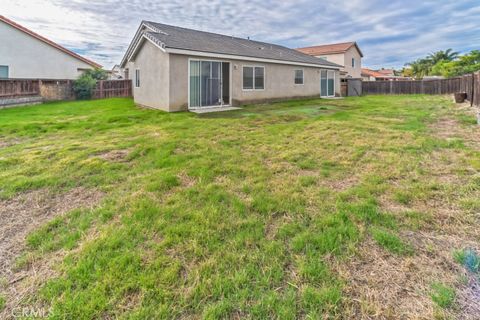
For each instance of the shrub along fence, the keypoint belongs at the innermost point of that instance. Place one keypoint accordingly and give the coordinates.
(469, 84)
(24, 91)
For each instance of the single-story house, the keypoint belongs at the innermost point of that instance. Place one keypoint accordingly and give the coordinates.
(175, 69)
(347, 54)
(26, 54)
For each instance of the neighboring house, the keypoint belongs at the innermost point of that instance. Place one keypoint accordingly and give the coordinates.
(371, 75)
(347, 54)
(377, 75)
(387, 72)
(176, 69)
(26, 54)
(116, 73)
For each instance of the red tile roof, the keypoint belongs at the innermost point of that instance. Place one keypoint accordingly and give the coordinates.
(387, 72)
(372, 73)
(49, 42)
(329, 48)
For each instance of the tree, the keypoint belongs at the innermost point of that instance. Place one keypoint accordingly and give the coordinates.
(467, 63)
(420, 67)
(447, 55)
(97, 74)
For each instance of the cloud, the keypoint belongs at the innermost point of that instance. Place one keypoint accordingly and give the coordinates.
(390, 33)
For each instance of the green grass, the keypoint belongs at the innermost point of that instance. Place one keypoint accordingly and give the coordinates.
(442, 295)
(390, 241)
(2, 302)
(241, 214)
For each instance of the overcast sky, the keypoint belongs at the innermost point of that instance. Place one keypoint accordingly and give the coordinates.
(390, 32)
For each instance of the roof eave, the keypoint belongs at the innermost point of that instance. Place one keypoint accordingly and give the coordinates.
(250, 58)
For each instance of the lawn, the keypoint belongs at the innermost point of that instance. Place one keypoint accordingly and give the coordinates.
(305, 209)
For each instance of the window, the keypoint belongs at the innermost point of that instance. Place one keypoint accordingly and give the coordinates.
(353, 62)
(126, 74)
(137, 78)
(3, 72)
(299, 76)
(253, 78)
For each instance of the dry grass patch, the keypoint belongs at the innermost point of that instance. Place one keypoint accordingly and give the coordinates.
(20, 216)
(114, 155)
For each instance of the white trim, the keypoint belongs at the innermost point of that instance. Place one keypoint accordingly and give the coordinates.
(136, 39)
(134, 42)
(244, 58)
(140, 42)
(303, 77)
(229, 83)
(264, 77)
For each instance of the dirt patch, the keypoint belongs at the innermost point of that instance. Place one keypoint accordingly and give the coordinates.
(114, 155)
(8, 143)
(186, 180)
(20, 216)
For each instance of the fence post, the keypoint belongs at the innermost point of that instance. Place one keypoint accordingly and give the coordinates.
(101, 90)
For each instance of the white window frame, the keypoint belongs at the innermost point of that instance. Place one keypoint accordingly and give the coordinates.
(295, 77)
(137, 78)
(264, 77)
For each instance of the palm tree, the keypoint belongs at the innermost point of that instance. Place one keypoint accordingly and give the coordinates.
(447, 55)
(421, 67)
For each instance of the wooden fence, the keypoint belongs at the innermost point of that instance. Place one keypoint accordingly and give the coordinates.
(469, 83)
(113, 88)
(61, 89)
(19, 88)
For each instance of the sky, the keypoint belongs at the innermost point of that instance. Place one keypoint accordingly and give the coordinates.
(389, 32)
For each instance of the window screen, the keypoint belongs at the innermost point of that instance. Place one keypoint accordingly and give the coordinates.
(299, 76)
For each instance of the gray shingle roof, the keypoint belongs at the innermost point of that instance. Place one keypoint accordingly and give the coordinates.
(188, 39)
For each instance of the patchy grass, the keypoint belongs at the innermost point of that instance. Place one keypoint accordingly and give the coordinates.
(252, 213)
(443, 295)
(390, 241)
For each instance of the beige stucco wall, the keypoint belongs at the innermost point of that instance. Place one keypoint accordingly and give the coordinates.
(153, 64)
(28, 57)
(279, 82)
(345, 59)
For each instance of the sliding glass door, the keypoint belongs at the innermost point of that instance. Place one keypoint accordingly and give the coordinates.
(207, 85)
(327, 83)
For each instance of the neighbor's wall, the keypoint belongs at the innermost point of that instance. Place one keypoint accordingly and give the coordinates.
(30, 58)
(345, 60)
(279, 82)
(153, 64)
(338, 58)
(357, 71)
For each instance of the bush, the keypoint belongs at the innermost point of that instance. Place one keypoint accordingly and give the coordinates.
(86, 83)
(84, 86)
